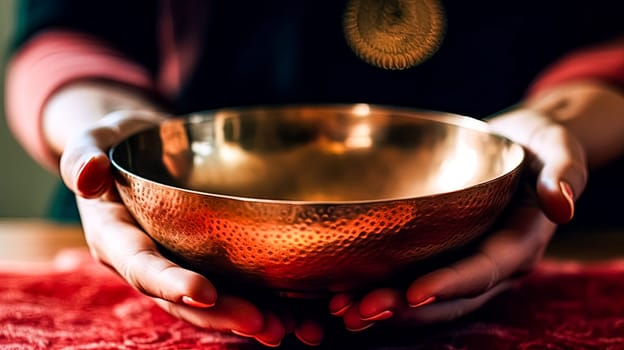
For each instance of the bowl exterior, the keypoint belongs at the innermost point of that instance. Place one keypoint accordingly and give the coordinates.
(310, 248)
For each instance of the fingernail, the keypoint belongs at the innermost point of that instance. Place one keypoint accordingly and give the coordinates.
(423, 302)
(342, 310)
(246, 335)
(384, 315)
(367, 326)
(268, 343)
(82, 166)
(306, 341)
(566, 190)
(194, 303)
(91, 177)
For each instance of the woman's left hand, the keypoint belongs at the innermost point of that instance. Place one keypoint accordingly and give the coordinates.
(558, 161)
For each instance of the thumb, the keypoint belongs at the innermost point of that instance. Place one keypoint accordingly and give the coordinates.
(563, 174)
(553, 154)
(84, 165)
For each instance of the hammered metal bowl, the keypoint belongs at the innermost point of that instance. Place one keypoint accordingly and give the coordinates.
(308, 199)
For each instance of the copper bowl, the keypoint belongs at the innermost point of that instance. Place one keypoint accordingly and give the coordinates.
(308, 199)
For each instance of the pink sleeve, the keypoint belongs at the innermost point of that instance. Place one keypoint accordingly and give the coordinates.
(46, 63)
(601, 62)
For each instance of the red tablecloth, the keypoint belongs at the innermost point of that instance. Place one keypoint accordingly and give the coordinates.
(75, 303)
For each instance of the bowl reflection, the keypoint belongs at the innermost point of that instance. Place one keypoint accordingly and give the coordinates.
(307, 199)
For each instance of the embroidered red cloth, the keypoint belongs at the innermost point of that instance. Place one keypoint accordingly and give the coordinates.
(75, 303)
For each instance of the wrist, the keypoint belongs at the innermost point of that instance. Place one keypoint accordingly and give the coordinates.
(77, 106)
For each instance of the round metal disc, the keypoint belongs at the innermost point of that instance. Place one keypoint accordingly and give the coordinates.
(394, 34)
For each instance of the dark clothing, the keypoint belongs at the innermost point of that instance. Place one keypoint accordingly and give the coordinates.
(285, 51)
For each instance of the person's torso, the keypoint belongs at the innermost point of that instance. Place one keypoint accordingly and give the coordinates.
(295, 52)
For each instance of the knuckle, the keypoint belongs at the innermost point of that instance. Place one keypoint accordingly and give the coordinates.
(147, 272)
(163, 292)
(172, 309)
(446, 280)
(494, 272)
(128, 270)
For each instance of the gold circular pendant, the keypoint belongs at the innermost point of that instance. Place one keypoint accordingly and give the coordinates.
(394, 34)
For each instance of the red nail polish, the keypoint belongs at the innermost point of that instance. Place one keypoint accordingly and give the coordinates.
(566, 190)
(242, 334)
(423, 302)
(92, 177)
(367, 326)
(194, 303)
(269, 344)
(384, 315)
(311, 329)
(307, 342)
(342, 310)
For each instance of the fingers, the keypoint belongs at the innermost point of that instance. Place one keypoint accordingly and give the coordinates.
(340, 303)
(116, 241)
(353, 320)
(563, 175)
(84, 164)
(285, 318)
(154, 275)
(378, 305)
(229, 314)
(183, 293)
(585, 108)
(272, 333)
(309, 332)
(404, 315)
(446, 311)
(558, 160)
(236, 315)
(302, 319)
(381, 304)
(554, 154)
(515, 248)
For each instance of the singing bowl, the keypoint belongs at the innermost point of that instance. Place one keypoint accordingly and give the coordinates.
(309, 199)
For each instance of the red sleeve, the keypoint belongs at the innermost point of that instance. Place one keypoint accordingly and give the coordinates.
(602, 62)
(46, 63)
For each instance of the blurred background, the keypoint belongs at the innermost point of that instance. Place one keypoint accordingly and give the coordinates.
(25, 187)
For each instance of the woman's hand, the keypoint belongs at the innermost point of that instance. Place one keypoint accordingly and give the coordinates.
(115, 240)
(557, 160)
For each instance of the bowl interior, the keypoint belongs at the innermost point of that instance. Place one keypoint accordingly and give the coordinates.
(319, 153)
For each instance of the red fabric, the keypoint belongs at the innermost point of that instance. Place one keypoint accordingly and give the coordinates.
(78, 304)
(46, 63)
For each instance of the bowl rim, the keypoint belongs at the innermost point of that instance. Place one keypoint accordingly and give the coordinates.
(458, 120)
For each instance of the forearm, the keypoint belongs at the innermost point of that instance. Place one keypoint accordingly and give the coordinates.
(51, 65)
(78, 105)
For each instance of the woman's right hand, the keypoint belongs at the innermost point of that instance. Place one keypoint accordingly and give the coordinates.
(115, 239)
